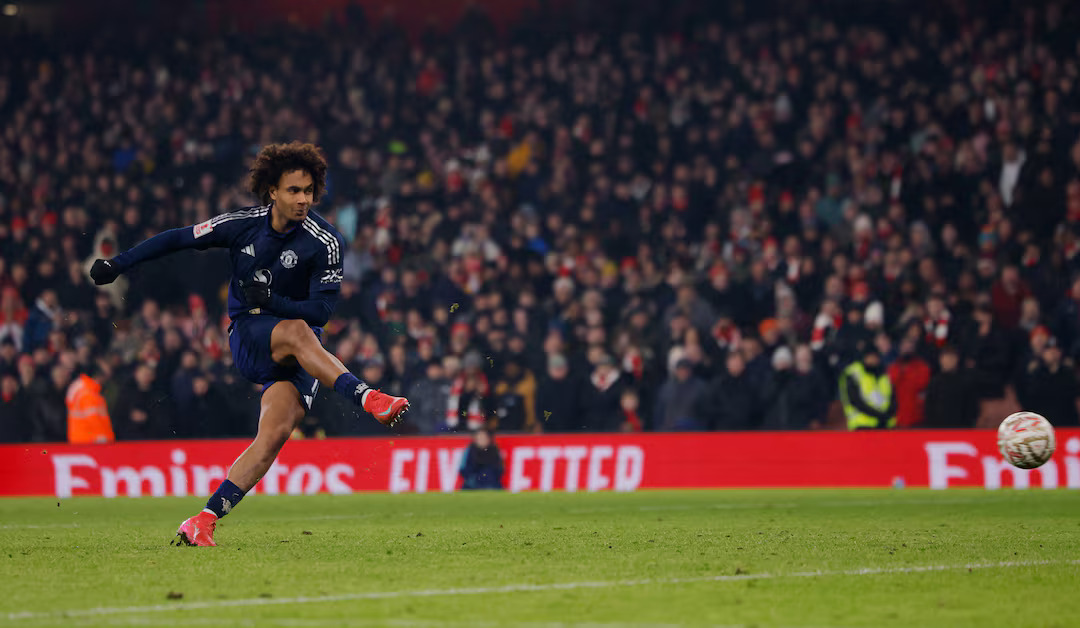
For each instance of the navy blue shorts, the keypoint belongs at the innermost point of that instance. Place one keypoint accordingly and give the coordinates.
(249, 339)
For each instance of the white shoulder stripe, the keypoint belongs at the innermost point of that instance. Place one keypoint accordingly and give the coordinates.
(231, 218)
(331, 257)
(333, 249)
(254, 212)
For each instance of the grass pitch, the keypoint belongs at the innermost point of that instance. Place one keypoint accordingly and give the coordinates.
(754, 558)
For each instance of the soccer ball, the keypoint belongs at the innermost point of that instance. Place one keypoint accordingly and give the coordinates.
(1026, 440)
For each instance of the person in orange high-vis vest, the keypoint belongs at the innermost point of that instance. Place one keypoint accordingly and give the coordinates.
(88, 418)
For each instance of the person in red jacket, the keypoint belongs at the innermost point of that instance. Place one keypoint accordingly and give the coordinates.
(1007, 295)
(910, 376)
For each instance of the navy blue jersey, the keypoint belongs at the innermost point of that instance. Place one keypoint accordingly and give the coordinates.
(302, 266)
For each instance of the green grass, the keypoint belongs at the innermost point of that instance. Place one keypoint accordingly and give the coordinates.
(688, 558)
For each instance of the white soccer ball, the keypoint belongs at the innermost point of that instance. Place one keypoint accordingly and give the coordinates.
(1026, 440)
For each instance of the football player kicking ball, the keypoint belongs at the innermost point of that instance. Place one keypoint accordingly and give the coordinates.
(287, 273)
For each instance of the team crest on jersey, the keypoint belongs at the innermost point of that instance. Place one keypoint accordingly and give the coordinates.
(289, 258)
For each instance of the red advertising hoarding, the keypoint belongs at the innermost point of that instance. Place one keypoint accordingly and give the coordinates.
(585, 462)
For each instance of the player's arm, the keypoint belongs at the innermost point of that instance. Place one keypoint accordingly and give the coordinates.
(323, 289)
(215, 232)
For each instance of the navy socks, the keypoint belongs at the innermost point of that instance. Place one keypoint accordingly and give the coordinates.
(349, 385)
(224, 498)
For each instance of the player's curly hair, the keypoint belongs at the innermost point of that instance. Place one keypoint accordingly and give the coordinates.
(275, 160)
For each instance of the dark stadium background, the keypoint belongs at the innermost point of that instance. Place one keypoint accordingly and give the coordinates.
(620, 187)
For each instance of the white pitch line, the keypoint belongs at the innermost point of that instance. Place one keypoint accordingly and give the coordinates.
(42, 526)
(286, 622)
(780, 505)
(510, 588)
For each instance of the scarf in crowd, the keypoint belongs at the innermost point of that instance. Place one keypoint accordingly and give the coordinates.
(474, 414)
(937, 329)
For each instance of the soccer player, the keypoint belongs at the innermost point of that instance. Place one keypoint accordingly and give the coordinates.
(287, 273)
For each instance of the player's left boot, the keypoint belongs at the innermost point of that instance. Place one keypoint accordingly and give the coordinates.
(387, 409)
(198, 530)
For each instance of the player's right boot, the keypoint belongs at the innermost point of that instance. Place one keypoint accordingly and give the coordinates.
(387, 409)
(198, 530)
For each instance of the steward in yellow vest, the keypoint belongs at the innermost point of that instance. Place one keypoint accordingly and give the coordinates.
(867, 394)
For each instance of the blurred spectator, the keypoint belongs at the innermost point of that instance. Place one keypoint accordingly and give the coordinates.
(951, 399)
(730, 402)
(558, 397)
(41, 321)
(139, 412)
(867, 394)
(15, 426)
(50, 405)
(13, 316)
(9, 355)
(1007, 295)
(469, 404)
(630, 402)
(910, 376)
(427, 399)
(601, 401)
(799, 396)
(988, 353)
(87, 416)
(1050, 387)
(677, 401)
(200, 411)
(515, 397)
(482, 463)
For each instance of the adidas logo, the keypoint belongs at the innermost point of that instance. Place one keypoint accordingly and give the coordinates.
(249, 249)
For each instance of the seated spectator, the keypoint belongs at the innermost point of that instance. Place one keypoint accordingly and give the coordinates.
(951, 399)
(677, 400)
(427, 399)
(9, 353)
(140, 411)
(482, 464)
(910, 376)
(515, 397)
(50, 412)
(1051, 388)
(601, 398)
(41, 321)
(558, 406)
(630, 402)
(469, 404)
(730, 401)
(15, 426)
(801, 395)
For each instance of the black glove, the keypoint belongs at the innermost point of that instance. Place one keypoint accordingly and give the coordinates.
(256, 294)
(104, 271)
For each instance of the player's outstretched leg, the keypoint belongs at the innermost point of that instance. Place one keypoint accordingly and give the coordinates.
(280, 413)
(294, 340)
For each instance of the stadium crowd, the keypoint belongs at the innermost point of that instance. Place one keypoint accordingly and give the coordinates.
(664, 227)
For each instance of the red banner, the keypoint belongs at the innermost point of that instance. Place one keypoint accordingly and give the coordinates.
(585, 462)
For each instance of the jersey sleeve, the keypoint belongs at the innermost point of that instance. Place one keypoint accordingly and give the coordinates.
(219, 231)
(327, 272)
